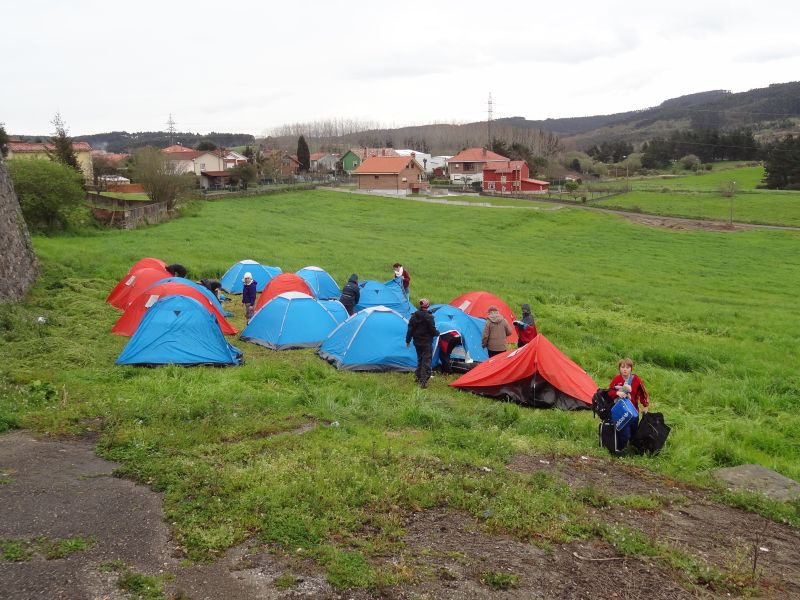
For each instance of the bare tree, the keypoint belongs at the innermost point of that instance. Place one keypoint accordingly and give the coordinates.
(159, 176)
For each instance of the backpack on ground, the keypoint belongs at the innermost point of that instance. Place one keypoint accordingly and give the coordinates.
(602, 404)
(652, 433)
(607, 434)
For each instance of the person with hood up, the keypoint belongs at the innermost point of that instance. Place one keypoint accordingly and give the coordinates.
(495, 332)
(401, 273)
(249, 295)
(526, 326)
(422, 329)
(351, 294)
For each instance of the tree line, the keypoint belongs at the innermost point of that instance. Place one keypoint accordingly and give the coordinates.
(708, 145)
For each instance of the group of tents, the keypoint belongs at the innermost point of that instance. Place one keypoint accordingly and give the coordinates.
(172, 320)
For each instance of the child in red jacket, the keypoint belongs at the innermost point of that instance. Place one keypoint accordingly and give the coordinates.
(630, 386)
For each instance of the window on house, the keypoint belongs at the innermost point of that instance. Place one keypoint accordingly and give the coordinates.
(469, 166)
(491, 185)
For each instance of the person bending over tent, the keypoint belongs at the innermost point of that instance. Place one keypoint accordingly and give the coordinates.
(526, 326)
(630, 386)
(422, 330)
(495, 332)
(249, 295)
(351, 294)
(212, 285)
(447, 343)
(177, 270)
(401, 273)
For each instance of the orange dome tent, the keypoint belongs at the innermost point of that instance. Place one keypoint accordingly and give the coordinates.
(121, 288)
(285, 282)
(477, 304)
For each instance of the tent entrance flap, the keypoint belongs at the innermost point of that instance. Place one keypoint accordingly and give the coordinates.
(532, 391)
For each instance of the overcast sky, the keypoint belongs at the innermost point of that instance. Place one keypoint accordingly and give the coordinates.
(248, 66)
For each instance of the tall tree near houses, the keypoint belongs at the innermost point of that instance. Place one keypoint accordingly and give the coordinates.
(303, 154)
(62, 145)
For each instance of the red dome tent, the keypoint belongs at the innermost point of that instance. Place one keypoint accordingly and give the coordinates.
(538, 374)
(285, 282)
(477, 304)
(122, 287)
(135, 311)
(138, 282)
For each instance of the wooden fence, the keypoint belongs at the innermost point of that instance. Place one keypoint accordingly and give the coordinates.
(126, 214)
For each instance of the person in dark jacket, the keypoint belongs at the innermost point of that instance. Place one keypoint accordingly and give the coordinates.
(422, 329)
(249, 295)
(351, 294)
(526, 326)
(212, 285)
(176, 270)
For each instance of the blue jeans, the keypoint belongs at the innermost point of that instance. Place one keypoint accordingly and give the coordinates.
(626, 434)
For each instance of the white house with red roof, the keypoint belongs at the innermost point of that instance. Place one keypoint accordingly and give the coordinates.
(467, 166)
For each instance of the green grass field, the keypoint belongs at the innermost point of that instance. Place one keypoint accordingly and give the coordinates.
(762, 206)
(126, 196)
(710, 318)
(746, 178)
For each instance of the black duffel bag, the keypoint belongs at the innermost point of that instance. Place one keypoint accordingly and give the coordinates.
(602, 404)
(652, 433)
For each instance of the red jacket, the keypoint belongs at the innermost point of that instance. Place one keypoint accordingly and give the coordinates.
(638, 391)
(526, 334)
(406, 279)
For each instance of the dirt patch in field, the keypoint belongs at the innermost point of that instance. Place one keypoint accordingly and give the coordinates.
(722, 536)
(455, 558)
(679, 224)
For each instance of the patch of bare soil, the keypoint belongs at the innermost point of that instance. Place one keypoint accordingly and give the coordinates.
(454, 558)
(680, 224)
(726, 537)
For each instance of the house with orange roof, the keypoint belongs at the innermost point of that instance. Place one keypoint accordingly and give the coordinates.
(393, 174)
(467, 166)
(355, 156)
(510, 177)
(39, 150)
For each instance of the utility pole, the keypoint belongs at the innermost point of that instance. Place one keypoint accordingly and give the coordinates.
(489, 123)
(171, 130)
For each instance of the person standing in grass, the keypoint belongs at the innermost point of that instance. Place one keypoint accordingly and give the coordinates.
(495, 332)
(422, 329)
(351, 294)
(249, 295)
(401, 273)
(526, 326)
(630, 386)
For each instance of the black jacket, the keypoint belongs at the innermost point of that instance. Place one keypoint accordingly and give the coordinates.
(421, 328)
(351, 293)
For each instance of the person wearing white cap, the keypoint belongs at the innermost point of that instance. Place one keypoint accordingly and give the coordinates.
(248, 295)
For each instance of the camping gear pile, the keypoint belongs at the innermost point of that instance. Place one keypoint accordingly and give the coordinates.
(172, 320)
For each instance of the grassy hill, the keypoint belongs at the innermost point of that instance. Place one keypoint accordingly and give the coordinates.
(708, 318)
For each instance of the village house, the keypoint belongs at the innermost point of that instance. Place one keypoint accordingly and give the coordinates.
(467, 166)
(393, 174)
(423, 158)
(38, 150)
(323, 162)
(511, 177)
(355, 156)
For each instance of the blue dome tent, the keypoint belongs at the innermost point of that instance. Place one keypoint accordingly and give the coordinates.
(389, 294)
(292, 320)
(177, 330)
(449, 318)
(320, 282)
(231, 282)
(373, 339)
(336, 308)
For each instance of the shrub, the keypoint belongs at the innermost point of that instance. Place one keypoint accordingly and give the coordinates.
(50, 194)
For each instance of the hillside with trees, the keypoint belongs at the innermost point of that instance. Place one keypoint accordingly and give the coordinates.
(122, 141)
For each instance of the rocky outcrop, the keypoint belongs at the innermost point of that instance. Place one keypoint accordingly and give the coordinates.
(18, 268)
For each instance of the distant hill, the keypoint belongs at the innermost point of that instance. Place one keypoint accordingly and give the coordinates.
(122, 141)
(769, 112)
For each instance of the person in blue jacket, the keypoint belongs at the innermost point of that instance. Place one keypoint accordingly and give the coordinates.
(351, 294)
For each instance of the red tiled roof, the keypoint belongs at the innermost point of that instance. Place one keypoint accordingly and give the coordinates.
(188, 155)
(215, 173)
(506, 167)
(380, 165)
(476, 155)
(109, 156)
(31, 147)
(318, 155)
(177, 148)
(364, 153)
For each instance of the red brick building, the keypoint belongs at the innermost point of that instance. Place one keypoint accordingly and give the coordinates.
(510, 177)
(467, 166)
(399, 174)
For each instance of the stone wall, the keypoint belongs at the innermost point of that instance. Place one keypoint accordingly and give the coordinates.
(18, 268)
